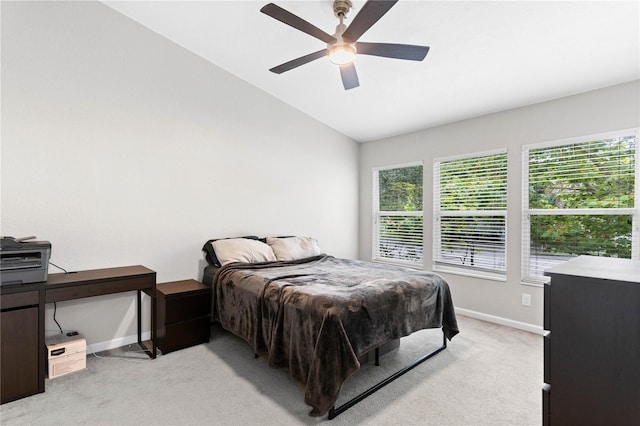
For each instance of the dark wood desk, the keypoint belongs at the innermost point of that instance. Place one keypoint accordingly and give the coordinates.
(23, 306)
(98, 282)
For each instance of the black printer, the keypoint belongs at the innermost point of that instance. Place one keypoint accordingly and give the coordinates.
(24, 261)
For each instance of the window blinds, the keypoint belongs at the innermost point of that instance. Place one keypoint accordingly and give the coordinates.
(398, 214)
(579, 198)
(470, 203)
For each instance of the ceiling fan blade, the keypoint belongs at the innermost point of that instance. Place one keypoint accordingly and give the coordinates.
(296, 22)
(370, 13)
(390, 50)
(299, 61)
(349, 76)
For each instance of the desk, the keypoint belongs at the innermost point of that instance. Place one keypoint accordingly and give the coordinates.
(23, 370)
(98, 282)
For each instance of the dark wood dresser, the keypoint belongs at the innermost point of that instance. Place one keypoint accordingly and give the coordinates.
(184, 314)
(592, 343)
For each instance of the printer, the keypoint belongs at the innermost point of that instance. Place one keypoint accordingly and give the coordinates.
(23, 261)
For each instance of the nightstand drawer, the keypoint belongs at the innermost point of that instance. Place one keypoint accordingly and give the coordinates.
(184, 334)
(187, 307)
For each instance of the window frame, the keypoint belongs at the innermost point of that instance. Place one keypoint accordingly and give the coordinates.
(527, 212)
(376, 215)
(467, 270)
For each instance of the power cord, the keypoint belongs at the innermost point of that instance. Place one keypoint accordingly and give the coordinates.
(55, 307)
(62, 269)
(122, 358)
(54, 317)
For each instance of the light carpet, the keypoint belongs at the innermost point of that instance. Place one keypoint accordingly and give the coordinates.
(488, 375)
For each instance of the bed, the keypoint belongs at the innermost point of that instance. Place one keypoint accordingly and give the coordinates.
(316, 314)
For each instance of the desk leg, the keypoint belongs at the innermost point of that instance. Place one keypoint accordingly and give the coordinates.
(149, 346)
(154, 327)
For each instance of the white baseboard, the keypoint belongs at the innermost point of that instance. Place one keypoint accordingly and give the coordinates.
(116, 343)
(127, 340)
(500, 320)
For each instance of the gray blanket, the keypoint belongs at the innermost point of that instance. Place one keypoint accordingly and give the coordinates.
(315, 316)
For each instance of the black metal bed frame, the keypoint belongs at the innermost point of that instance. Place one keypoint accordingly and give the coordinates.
(335, 411)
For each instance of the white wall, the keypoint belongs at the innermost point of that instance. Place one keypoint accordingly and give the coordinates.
(122, 148)
(612, 108)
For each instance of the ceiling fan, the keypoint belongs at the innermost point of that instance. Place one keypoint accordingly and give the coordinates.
(343, 45)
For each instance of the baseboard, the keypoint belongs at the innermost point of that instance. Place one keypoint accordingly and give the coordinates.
(500, 320)
(127, 340)
(116, 343)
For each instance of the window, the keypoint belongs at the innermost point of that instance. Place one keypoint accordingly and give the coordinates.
(579, 198)
(397, 210)
(470, 214)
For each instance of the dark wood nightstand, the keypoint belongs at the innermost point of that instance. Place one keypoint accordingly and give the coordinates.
(184, 314)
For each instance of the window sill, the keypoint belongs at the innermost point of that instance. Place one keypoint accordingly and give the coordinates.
(538, 284)
(468, 273)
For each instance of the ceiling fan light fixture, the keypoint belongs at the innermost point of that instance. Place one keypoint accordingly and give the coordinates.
(341, 54)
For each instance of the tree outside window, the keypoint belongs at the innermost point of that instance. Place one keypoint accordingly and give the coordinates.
(398, 214)
(580, 201)
(470, 207)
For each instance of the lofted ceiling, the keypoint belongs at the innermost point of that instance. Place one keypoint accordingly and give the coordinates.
(485, 56)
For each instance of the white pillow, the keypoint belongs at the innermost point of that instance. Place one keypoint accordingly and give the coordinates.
(242, 250)
(292, 248)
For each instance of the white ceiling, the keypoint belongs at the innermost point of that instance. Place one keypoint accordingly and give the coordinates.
(486, 56)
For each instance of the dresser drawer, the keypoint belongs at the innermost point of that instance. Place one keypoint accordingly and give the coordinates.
(547, 355)
(547, 300)
(546, 405)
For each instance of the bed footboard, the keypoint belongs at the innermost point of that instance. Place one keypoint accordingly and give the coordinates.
(335, 411)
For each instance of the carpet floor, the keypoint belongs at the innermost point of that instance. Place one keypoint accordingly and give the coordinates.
(488, 375)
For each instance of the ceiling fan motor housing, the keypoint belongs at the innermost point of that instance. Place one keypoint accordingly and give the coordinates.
(341, 7)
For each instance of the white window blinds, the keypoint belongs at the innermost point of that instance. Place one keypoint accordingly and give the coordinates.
(579, 198)
(398, 214)
(470, 206)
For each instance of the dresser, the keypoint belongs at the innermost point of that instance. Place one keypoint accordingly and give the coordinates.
(592, 343)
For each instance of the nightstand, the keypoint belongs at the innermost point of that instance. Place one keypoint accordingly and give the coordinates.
(184, 314)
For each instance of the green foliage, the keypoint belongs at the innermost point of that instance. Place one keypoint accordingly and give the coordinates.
(401, 189)
(468, 185)
(597, 174)
(597, 235)
(591, 175)
(477, 183)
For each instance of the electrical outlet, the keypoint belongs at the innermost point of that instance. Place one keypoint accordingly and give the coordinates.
(526, 299)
